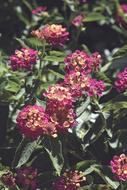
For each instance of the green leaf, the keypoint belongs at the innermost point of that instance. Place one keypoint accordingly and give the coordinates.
(92, 17)
(121, 52)
(12, 86)
(56, 74)
(24, 151)
(53, 147)
(34, 42)
(53, 58)
(21, 42)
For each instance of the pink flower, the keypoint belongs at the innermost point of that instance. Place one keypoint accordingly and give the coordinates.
(39, 10)
(63, 117)
(121, 81)
(69, 181)
(8, 179)
(23, 59)
(80, 61)
(59, 94)
(54, 34)
(119, 166)
(77, 21)
(59, 107)
(80, 83)
(27, 178)
(33, 122)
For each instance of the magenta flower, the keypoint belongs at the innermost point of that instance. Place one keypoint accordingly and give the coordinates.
(27, 178)
(69, 181)
(59, 94)
(23, 59)
(81, 83)
(54, 34)
(119, 167)
(121, 81)
(8, 179)
(33, 122)
(60, 107)
(39, 10)
(77, 21)
(80, 61)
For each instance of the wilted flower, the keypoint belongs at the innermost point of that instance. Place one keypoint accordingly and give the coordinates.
(39, 10)
(121, 81)
(27, 178)
(119, 167)
(54, 34)
(80, 61)
(69, 181)
(33, 122)
(23, 59)
(8, 179)
(77, 21)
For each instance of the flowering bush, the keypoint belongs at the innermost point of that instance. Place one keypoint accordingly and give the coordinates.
(63, 97)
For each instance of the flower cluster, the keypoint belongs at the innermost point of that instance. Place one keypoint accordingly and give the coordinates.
(79, 66)
(69, 181)
(60, 107)
(33, 122)
(39, 10)
(8, 179)
(23, 59)
(119, 166)
(77, 21)
(54, 34)
(121, 81)
(82, 62)
(27, 178)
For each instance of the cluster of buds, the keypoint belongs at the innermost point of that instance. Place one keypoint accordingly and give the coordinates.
(27, 178)
(121, 81)
(39, 10)
(119, 167)
(8, 179)
(33, 122)
(69, 181)
(54, 34)
(23, 59)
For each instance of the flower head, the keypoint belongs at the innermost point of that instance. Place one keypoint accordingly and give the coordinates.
(80, 83)
(8, 179)
(63, 117)
(77, 21)
(59, 94)
(59, 107)
(39, 10)
(119, 167)
(69, 181)
(121, 81)
(23, 59)
(54, 34)
(80, 61)
(33, 122)
(27, 178)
